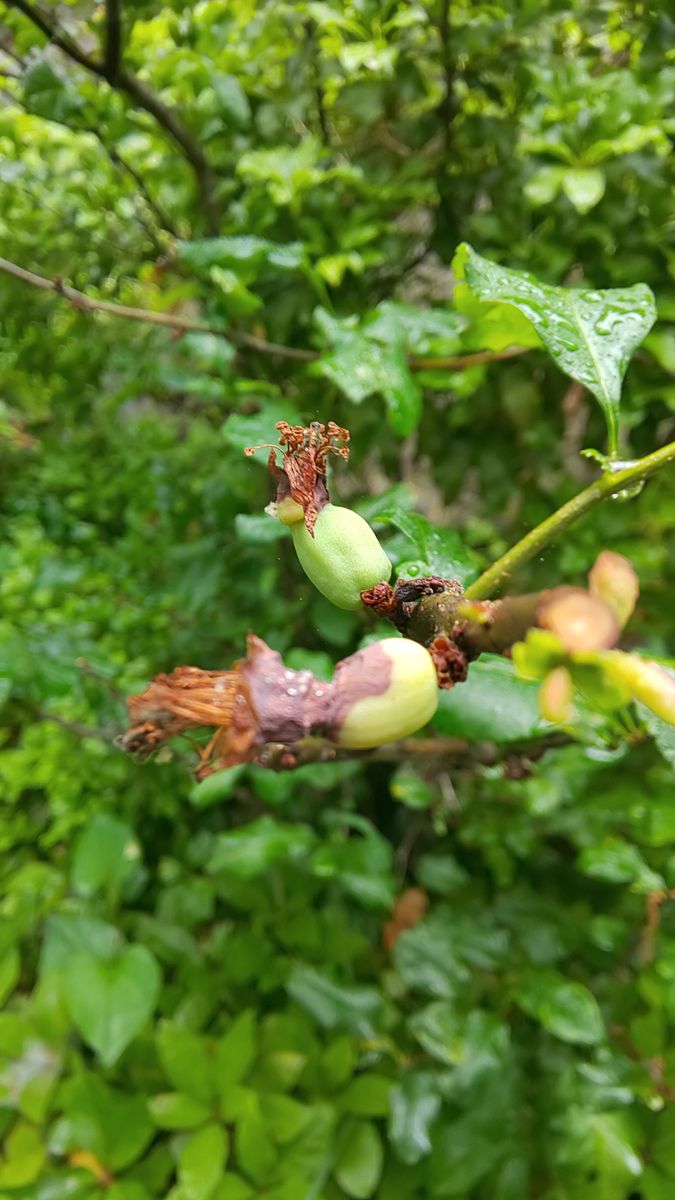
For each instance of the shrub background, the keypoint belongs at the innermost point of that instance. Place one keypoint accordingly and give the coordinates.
(198, 1000)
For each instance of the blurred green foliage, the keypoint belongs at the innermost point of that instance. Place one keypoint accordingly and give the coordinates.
(198, 1000)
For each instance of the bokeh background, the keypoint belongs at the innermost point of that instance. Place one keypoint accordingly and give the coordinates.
(205, 997)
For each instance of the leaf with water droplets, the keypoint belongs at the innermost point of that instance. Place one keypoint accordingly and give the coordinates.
(590, 334)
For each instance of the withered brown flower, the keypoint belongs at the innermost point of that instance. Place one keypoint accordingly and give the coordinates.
(304, 463)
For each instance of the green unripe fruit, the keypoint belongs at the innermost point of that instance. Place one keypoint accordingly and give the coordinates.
(403, 685)
(344, 558)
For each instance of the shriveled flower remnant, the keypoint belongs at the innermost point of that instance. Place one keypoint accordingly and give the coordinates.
(304, 462)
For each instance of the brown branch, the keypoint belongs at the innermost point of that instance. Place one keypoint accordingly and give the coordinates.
(113, 41)
(89, 304)
(143, 96)
(248, 341)
(162, 218)
(460, 362)
(579, 619)
(206, 181)
(56, 36)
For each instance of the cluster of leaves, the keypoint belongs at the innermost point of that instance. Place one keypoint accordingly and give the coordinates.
(199, 999)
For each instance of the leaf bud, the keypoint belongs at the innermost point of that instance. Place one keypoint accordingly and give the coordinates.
(384, 692)
(613, 580)
(581, 621)
(555, 696)
(342, 557)
(646, 682)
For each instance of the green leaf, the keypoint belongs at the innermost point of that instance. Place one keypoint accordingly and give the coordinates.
(544, 185)
(617, 861)
(217, 787)
(334, 1005)
(285, 1118)
(466, 1149)
(171, 1110)
(361, 367)
(232, 1187)
(439, 954)
(492, 704)
(439, 550)
(186, 1060)
(359, 1161)
(113, 1126)
(259, 428)
(106, 853)
(258, 530)
(250, 851)
(584, 187)
(415, 1105)
(367, 1096)
(48, 95)
(24, 1156)
(10, 970)
(201, 1161)
(110, 1002)
(245, 255)
(236, 1051)
(565, 1008)
(590, 334)
(233, 103)
(256, 1154)
(662, 732)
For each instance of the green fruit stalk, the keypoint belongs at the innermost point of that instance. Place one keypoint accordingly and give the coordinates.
(342, 557)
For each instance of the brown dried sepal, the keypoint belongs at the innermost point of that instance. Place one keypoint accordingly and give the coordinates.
(450, 661)
(398, 604)
(188, 699)
(304, 462)
(258, 701)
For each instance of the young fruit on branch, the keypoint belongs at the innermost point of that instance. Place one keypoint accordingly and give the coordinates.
(337, 549)
(382, 693)
(342, 557)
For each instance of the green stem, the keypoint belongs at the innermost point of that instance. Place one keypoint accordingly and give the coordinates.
(534, 541)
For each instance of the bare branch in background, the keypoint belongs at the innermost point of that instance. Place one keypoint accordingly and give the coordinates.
(138, 91)
(113, 41)
(249, 341)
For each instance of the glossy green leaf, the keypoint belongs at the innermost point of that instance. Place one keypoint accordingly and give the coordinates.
(415, 1105)
(358, 1009)
(590, 334)
(200, 1162)
(359, 1162)
(110, 1002)
(439, 551)
(566, 1008)
(492, 704)
(105, 855)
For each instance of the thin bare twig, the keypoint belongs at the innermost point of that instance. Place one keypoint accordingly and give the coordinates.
(113, 41)
(249, 341)
(138, 91)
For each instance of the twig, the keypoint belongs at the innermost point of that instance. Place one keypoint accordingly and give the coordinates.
(113, 41)
(460, 362)
(144, 97)
(89, 304)
(610, 484)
